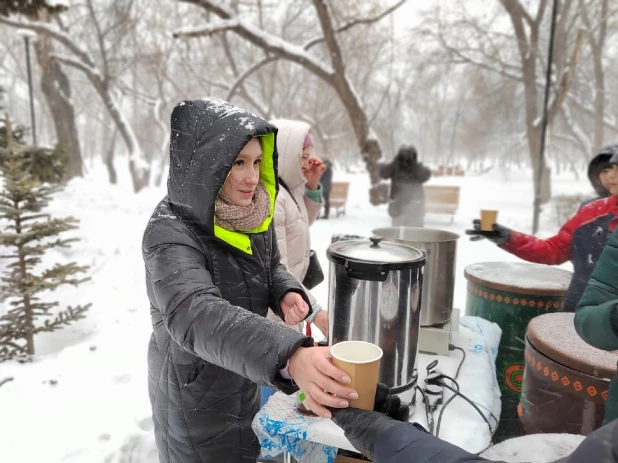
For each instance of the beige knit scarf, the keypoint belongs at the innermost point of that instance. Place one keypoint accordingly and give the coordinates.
(242, 218)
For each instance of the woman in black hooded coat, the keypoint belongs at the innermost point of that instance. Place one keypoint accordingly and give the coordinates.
(210, 283)
(407, 175)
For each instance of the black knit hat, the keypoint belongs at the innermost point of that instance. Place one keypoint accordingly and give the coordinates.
(604, 159)
(611, 150)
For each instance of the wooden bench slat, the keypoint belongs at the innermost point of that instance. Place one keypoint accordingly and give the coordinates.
(441, 199)
(339, 196)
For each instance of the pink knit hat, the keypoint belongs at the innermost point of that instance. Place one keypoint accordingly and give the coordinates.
(308, 141)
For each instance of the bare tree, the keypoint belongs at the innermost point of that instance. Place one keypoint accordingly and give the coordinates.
(101, 78)
(486, 49)
(55, 85)
(57, 90)
(334, 73)
(597, 34)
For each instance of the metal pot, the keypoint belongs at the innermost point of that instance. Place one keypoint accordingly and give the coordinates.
(439, 274)
(374, 295)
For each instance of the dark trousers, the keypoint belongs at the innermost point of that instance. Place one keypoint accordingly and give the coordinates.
(326, 197)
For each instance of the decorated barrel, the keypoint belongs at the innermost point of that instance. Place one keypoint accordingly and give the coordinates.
(511, 294)
(565, 379)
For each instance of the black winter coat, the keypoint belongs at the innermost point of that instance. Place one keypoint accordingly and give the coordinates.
(326, 180)
(406, 444)
(407, 194)
(209, 292)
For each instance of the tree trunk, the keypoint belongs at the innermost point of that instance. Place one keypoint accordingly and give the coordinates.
(57, 90)
(369, 147)
(28, 322)
(140, 172)
(597, 45)
(599, 102)
(109, 159)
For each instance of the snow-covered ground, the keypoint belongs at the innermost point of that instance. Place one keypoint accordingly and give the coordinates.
(84, 397)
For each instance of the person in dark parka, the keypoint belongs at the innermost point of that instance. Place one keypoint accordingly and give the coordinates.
(407, 197)
(596, 315)
(598, 170)
(212, 272)
(385, 440)
(580, 240)
(326, 180)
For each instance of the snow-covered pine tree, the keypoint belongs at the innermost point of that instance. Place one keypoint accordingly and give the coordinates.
(26, 234)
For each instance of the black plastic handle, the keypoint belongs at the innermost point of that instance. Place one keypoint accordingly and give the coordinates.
(368, 272)
(375, 241)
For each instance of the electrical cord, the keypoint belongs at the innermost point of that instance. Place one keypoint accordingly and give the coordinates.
(463, 359)
(451, 398)
(434, 393)
(425, 402)
(474, 405)
(438, 378)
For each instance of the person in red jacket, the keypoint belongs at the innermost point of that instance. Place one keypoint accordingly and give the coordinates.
(580, 240)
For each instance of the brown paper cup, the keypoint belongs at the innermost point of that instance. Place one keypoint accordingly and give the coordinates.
(361, 361)
(488, 218)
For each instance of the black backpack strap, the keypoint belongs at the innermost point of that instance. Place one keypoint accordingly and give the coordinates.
(282, 183)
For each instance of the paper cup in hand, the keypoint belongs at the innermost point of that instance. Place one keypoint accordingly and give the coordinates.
(361, 361)
(488, 219)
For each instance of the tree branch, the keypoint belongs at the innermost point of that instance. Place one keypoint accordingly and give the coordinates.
(7, 379)
(567, 77)
(241, 78)
(100, 39)
(469, 60)
(264, 40)
(610, 124)
(77, 64)
(516, 14)
(539, 14)
(356, 22)
(46, 29)
(243, 91)
(209, 29)
(332, 44)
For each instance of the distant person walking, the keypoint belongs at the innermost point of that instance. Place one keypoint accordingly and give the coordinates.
(327, 185)
(407, 175)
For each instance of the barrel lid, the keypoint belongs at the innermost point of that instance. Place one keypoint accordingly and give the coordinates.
(385, 254)
(520, 278)
(554, 335)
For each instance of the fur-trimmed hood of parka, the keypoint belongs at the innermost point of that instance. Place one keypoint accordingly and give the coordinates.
(206, 138)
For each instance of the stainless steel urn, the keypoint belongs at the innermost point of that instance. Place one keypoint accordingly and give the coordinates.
(439, 273)
(374, 295)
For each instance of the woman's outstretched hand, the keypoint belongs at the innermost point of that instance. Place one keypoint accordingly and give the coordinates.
(294, 308)
(319, 379)
(313, 171)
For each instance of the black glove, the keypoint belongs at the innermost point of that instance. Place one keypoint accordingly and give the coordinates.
(389, 404)
(500, 235)
(362, 427)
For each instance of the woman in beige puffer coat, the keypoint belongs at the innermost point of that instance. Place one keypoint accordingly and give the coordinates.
(296, 209)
